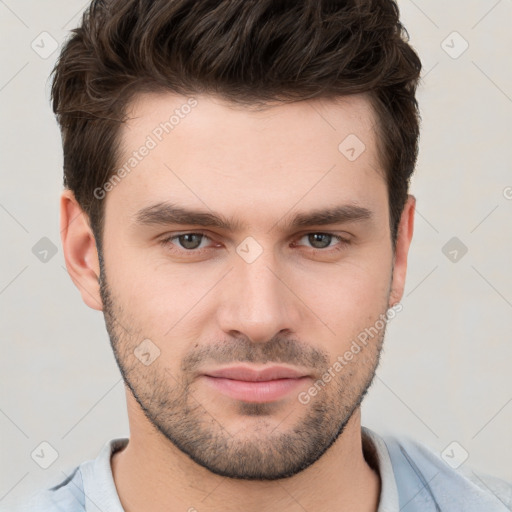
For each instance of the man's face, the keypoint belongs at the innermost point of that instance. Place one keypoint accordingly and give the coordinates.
(257, 291)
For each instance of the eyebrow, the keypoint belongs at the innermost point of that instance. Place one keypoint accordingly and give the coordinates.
(166, 213)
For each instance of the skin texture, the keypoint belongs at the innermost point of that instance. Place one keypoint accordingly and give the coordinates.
(301, 302)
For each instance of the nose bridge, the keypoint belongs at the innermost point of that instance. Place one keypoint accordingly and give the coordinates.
(257, 303)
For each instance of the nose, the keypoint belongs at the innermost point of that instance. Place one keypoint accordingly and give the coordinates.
(257, 301)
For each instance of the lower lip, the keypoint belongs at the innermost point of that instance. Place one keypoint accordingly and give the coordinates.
(263, 391)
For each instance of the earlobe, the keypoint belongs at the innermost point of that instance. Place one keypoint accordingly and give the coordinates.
(80, 251)
(404, 238)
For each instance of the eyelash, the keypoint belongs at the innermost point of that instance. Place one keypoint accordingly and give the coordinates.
(167, 242)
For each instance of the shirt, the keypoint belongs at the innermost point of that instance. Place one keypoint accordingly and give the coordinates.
(413, 479)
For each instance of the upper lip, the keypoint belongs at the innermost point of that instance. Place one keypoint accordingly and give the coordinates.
(252, 375)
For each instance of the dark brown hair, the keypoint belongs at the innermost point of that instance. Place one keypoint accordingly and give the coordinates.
(249, 52)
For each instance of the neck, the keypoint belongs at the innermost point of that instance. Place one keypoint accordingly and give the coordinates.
(152, 475)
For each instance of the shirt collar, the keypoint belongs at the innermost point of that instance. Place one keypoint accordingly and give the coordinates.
(377, 456)
(101, 494)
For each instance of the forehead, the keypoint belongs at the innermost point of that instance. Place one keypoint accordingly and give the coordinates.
(205, 151)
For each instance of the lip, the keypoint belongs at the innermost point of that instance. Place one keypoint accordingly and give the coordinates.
(250, 385)
(248, 374)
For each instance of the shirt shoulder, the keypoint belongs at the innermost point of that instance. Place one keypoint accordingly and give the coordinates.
(426, 482)
(89, 486)
(66, 496)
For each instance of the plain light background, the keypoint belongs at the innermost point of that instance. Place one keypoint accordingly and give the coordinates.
(445, 375)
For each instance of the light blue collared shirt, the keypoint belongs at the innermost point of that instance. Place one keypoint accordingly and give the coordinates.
(413, 479)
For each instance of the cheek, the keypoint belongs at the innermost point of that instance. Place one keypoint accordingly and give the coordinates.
(348, 297)
(166, 304)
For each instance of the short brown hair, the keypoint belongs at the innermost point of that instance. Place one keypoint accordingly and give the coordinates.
(246, 51)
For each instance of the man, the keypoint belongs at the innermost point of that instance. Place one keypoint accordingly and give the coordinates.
(236, 203)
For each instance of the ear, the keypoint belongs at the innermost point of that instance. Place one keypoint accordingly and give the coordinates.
(80, 252)
(404, 237)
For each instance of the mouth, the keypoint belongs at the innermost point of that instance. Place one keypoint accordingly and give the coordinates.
(256, 385)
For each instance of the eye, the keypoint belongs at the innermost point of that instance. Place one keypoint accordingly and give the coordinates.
(187, 241)
(321, 241)
(194, 242)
